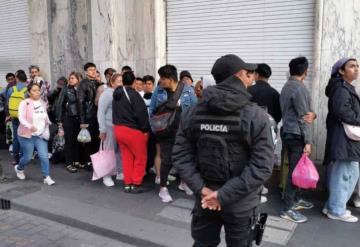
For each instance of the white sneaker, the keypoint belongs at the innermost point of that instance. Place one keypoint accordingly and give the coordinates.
(120, 176)
(171, 178)
(49, 181)
(264, 190)
(107, 180)
(183, 187)
(19, 173)
(325, 211)
(357, 203)
(157, 180)
(164, 195)
(346, 218)
(263, 199)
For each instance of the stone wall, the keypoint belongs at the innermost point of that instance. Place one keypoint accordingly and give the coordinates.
(111, 33)
(124, 33)
(39, 33)
(337, 36)
(69, 36)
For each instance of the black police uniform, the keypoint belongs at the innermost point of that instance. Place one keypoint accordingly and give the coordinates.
(225, 144)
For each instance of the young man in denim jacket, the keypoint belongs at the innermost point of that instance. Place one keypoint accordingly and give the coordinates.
(168, 84)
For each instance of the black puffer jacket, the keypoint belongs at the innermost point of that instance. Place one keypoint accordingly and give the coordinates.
(242, 192)
(343, 106)
(66, 104)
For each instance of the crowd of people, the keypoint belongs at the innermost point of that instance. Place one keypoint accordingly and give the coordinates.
(191, 125)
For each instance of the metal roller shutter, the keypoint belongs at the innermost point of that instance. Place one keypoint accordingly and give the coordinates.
(271, 31)
(15, 45)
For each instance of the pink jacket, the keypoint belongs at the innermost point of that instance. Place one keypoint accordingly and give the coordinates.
(26, 110)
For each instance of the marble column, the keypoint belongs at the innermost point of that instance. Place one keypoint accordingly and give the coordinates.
(69, 36)
(337, 36)
(39, 32)
(126, 32)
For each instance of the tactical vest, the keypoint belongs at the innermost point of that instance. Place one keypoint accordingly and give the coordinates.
(222, 152)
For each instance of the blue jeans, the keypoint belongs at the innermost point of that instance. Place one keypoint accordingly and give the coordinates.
(27, 147)
(16, 145)
(343, 178)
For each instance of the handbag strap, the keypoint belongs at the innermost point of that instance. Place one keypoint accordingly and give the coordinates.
(127, 95)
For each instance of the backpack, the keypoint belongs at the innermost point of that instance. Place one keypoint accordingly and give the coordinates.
(164, 122)
(14, 101)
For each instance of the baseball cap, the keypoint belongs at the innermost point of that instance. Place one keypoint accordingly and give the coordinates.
(229, 65)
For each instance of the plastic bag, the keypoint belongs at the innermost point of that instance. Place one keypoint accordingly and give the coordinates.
(59, 141)
(84, 136)
(104, 163)
(305, 175)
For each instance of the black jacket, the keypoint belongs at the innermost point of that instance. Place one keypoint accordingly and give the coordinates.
(67, 104)
(86, 94)
(242, 192)
(133, 115)
(264, 95)
(344, 106)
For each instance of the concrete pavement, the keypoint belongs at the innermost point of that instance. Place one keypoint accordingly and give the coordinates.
(142, 220)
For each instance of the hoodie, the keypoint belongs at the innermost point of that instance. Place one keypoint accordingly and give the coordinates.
(241, 192)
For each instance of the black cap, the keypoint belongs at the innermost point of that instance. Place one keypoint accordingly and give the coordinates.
(185, 73)
(229, 65)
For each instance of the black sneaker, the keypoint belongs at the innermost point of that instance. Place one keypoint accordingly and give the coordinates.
(137, 189)
(302, 204)
(127, 188)
(293, 216)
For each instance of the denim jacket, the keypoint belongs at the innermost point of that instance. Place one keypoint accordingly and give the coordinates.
(187, 98)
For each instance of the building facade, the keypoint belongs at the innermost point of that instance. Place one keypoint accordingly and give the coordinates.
(61, 35)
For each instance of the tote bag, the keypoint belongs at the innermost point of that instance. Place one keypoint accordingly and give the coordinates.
(104, 163)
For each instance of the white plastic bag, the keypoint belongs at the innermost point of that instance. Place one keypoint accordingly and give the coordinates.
(84, 136)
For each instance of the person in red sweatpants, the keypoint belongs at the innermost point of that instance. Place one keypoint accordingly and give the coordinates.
(131, 128)
(133, 147)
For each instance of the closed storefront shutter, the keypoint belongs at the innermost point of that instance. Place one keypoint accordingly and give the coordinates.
(271, 31)
(15, 46)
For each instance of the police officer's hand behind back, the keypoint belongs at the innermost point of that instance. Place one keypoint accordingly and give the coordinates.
(209, 199)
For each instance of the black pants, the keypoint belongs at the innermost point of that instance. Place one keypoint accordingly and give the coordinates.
(93, 146)
(295, 149)
(206, 227)
(72, 146)
(151, 148)
(166, 147)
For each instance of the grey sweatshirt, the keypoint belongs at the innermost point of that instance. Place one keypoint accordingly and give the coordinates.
(104, 113)
(295, 103)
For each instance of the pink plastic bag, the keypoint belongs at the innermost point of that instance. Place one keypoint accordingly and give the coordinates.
(104, 163)
(305, 175)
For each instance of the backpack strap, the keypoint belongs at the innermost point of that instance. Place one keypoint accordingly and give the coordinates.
(172, 102)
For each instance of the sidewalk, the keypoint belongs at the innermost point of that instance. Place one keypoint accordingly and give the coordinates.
(143, 220)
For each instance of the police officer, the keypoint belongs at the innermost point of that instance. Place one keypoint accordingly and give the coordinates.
(224, 152)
